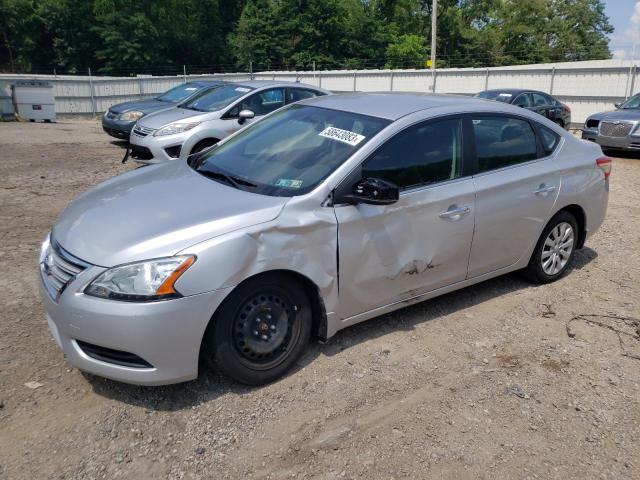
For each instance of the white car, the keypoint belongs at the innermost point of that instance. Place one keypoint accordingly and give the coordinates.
(209, 116)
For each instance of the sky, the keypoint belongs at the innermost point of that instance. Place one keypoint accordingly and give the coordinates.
(625, 17)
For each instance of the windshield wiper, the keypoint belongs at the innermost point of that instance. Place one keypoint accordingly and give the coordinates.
(231, 180)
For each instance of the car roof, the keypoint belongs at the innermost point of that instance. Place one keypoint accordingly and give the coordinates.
(513, 91)
(390, 105)
(271, 83)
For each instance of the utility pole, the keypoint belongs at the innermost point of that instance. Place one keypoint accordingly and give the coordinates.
(434, 27)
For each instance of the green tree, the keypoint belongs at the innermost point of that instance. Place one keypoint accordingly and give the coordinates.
(406, 51)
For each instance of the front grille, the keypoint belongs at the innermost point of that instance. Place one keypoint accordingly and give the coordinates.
(142, 131)
(111, 114)
(618, 130)
(593, 123)
(59, 268)
(110, 355)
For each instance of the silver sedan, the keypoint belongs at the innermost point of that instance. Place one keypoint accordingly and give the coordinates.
(321, 215)
(209, 116)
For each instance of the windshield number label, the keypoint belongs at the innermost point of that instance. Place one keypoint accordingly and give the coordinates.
(243, 89)
(286, 183)
(344, 136)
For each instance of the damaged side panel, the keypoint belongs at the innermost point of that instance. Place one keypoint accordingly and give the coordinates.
(301, 240)
(393, 253)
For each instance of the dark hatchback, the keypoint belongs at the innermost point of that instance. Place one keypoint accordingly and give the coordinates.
(533, 100)
(120, 118)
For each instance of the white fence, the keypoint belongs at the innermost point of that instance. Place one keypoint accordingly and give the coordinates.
(585, 89)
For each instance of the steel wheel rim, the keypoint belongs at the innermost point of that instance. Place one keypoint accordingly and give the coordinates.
(557, 248)
(265, 329)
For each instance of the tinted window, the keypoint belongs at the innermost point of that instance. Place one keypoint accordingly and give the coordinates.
(297, 94)
(523, 100)
(540, 100)
(420, 155)
(215, 99)
(264, 102)
(549, 138)
(293, 150)
(632, 103)
(503, 141)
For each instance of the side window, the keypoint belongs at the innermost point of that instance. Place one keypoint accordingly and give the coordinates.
(523, 100)
(297, 94)
(540, 100)
(549, 139)
(503, 141)
(264, 102)
(420, 155)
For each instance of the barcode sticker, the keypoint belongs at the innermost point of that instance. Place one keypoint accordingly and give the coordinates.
(344, 136)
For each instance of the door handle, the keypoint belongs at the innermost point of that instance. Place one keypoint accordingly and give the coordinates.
(455, 213)
(543, 190)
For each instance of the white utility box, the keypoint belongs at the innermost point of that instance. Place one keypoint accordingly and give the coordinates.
(34, 100)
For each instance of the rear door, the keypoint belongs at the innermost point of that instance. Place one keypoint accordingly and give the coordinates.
(516, 188)
(421, 243)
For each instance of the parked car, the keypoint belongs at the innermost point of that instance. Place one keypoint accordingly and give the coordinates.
(538, 102)
(321, 215)
(120, 118)
(617, 129)
(210, 116)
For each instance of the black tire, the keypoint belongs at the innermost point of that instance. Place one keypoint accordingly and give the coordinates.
(260, 330)
(535, 270)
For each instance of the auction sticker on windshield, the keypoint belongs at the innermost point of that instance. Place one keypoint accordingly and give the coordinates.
(285, 182)
(344, 136)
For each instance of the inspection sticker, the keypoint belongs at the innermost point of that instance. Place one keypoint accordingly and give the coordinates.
(191, 89)
(243, 89)
(506, 95)
(345, 136)
(285, 182)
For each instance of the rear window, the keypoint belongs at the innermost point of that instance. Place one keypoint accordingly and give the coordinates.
(549, 139)
(503, 141)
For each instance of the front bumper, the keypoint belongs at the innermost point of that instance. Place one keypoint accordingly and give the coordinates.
(166, 334)
(156, 149)
(117, 128)
(615, 143)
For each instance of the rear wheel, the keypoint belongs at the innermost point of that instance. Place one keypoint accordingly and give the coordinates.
(554, 250)
(260, 330)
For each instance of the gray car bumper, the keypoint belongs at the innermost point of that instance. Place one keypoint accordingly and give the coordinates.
(614, 143)
(166, 334)
(117, 128)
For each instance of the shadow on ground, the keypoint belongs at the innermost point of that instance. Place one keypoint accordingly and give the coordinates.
(211, 385)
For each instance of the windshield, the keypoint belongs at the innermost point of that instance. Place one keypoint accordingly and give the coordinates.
(290, 152)
(496, 95)
(216, 98)
(632, 103)
(179, 93)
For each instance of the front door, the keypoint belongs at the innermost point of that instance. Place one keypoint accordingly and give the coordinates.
(422, 242)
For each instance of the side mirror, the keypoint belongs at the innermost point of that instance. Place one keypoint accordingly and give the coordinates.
(617, 105)
(374, 191)
(245, 115)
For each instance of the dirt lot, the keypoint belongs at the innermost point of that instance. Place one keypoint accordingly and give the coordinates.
(481, 383)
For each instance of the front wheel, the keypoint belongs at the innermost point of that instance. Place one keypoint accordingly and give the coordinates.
(260, 330)
(554, 250)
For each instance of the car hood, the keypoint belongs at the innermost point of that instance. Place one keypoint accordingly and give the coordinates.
(145, 106)
(155, 212)
(164, 117)
(617, 115)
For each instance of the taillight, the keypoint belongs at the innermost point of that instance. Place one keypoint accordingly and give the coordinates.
(604, 164)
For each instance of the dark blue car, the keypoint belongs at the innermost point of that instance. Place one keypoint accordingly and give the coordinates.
(120, 118)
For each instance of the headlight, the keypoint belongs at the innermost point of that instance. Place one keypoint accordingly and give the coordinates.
(131, 116)
(174, 128)
(143, 281)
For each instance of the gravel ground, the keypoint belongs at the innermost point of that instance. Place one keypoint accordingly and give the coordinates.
(493, 381)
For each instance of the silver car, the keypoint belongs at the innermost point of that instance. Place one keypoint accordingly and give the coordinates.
(321, 215)
(618, 129)
(209, 116)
